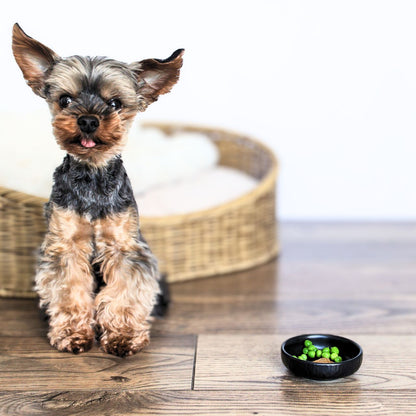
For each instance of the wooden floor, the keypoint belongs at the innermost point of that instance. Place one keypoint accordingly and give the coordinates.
(218, 350)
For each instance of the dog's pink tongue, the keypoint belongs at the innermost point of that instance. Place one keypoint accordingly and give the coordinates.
(87, 142)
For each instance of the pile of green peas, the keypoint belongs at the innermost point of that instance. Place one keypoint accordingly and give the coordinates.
(312, 352)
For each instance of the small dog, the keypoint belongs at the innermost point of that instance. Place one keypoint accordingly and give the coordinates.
(96, 275)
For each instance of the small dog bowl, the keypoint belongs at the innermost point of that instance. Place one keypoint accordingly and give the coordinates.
(350, 351)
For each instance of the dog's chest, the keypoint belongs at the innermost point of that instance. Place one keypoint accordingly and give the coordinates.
(96, 192)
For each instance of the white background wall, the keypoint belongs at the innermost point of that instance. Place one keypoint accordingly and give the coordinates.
(329, 85)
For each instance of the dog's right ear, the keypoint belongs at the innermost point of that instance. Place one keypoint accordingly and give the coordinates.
(33, 58)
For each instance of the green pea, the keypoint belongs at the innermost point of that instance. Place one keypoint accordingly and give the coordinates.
(303, 357)
(312, 347)
(326, 349)
(305, 350)
(318, 353)
(326, 354)
(333, 356)
(334, 349)
(338, 359)
(307, 342)
(294, 356)
(311, 354)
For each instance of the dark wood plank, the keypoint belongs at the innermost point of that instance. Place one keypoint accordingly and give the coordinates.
(252, 362)
(21, 317)
(30, 363)
(254, 316)
(239, 313)
(348, 277)
(314, 401)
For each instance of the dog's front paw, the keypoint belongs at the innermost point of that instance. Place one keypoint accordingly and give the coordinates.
(75, 342)
(124, 345)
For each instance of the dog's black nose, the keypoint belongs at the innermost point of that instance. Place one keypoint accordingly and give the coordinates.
(88, 124)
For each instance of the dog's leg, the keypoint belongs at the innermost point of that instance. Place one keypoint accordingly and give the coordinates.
(65, 283)
(163, 299)
(130, 274)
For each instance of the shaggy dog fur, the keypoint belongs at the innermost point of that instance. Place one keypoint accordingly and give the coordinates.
(96, 275)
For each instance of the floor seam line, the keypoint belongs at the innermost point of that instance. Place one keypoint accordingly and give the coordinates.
(194, 366)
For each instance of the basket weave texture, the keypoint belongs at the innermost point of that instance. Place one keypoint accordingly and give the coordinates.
(233, 236)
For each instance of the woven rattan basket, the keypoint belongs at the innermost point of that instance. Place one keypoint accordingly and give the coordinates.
(234, 236)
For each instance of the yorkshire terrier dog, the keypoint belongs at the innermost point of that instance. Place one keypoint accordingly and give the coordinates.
(96, 276)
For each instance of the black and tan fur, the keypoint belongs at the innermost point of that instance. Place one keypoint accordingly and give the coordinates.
(93, 230)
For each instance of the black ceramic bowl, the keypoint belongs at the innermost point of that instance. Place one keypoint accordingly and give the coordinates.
(350, 351)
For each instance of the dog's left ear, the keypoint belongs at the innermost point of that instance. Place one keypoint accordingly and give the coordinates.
(157, 76)
(33, 58)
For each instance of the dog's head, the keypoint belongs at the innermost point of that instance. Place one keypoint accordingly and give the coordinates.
(93, 101)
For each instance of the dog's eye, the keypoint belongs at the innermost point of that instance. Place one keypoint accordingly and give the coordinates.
(114, 103)
(64, 101)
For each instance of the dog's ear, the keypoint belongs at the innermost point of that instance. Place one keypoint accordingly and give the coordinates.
(33, 58)
(156, 76)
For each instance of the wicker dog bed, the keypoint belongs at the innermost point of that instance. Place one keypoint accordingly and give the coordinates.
(234, 236)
